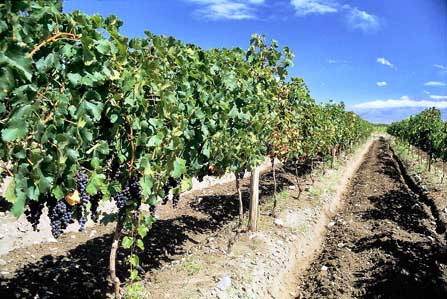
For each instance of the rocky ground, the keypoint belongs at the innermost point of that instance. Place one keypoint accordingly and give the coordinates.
(187, 253)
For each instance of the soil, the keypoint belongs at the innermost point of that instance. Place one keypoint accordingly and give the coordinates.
(76, 265)
(384, 243)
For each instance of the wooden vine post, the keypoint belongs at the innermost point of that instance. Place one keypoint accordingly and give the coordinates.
(112, 259)
(254, 200)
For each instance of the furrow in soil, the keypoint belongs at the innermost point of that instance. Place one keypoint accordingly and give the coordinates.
(383, 243)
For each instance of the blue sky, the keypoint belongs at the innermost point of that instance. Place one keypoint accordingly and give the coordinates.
(376, 54)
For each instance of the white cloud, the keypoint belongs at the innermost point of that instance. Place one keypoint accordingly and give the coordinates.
(305, 7)
(360, 19)
(443, 68)
(356, 18)
(383, 61)
(427, 92)
(381, 84)
(404, 101)
(434, 83)
(227, 9)
(335, 61)
(436, 97)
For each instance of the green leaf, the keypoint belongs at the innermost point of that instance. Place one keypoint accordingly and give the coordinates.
(134, 260)
(103, 46)
(109, 218)
(95, 109)
(3, 26)
(46, 63)
(113, 118)
(152, 200)
(10, 194)
(206, 151)
(21, 186)
(146, 183)
(233, 112)
(134, 275)
(95, 162)
(186, 184)
(45, 183)
(74, 79)
(12, 134)
(58, 192)
(156, 140)
(19, 204)
(21, 64)
(127, 242)
(142, 231)
(140, 244)
(95, 183)
(179, 168)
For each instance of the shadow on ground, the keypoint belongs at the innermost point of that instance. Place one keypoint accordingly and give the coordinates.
(409, 270)
(82, 272)
(413, 261)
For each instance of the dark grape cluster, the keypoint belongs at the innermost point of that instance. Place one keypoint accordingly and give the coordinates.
(82, 223)
(175, 200)
(94, 201)
(34, 212)
(269, 146)
(203, 174)
(81, 184)
(135, 190)
(121, 199)
(153, 210)
(60, 214)
(171, 184)
(114, 171)
(241, 174)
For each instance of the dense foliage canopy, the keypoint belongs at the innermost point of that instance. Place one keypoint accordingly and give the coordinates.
(425, 130)
(87, 113)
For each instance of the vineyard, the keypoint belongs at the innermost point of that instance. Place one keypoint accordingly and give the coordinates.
(89, 117)
(426, 131)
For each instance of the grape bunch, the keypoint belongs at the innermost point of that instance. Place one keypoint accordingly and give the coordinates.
(171, 184)
(82, 223)
(60, 216)
(241, 174)
(34, 212)
(121, 200)
(135, 190)
(114, 171)
(153, 210)
(94, 201)
(81, 184)
(269, 146)
(175, 200)
(203, 174)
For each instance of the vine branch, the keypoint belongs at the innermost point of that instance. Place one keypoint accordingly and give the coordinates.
(53, 38)
(132, 146)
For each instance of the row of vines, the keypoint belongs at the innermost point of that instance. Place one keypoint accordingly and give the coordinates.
(427, 131)
(87, 114)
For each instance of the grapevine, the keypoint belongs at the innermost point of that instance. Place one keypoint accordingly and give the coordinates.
(85, 109)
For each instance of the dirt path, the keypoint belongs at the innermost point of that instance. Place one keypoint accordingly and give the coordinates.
(383, 244)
